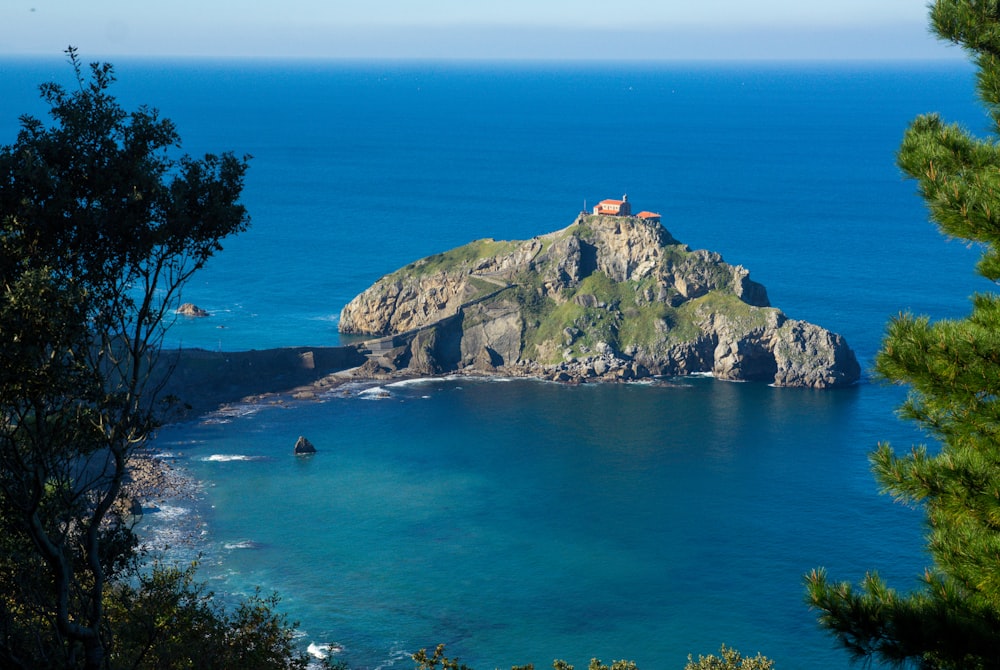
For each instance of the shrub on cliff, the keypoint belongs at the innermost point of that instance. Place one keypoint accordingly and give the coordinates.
(728, 659)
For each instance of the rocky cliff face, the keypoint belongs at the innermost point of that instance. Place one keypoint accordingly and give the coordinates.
(606, 298)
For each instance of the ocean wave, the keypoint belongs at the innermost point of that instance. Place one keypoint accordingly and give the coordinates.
(416, 381)
(375, 393)
(323, 649)
(171, 527)
(228, 458)
(395, 655)
(242, 544)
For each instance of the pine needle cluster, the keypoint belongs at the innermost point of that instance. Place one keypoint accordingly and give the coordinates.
(952, 368)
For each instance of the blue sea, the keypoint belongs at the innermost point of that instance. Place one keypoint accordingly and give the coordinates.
(519, 521)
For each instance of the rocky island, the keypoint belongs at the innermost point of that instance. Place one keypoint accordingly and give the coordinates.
(610, 297)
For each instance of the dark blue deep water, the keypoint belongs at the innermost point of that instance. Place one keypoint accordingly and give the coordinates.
(519, 521)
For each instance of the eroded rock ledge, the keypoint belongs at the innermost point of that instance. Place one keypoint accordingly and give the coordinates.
(607, 298)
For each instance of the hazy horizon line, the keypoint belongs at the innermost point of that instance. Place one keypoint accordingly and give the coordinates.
(904, 41)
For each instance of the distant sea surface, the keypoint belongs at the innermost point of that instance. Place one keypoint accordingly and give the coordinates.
(518, 521)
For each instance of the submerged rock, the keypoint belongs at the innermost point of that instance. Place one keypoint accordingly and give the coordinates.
(609, 298)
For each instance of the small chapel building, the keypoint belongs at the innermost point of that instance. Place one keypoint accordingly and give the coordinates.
(614, 207)
(623, 208)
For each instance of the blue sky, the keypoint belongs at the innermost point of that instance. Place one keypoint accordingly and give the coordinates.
(524, 29)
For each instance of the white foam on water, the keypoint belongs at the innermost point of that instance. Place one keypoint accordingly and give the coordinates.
(395, 656)
(228, 458)
(416, 381)
(169, 526)
(323, 649)
(242, 544)
(375, 393)
(172, 511)
(228, 413)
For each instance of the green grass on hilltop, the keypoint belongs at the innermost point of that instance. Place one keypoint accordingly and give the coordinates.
(743, 316)
(455, 258)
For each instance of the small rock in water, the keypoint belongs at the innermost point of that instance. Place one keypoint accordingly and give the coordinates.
(190, 309)
(304, 446)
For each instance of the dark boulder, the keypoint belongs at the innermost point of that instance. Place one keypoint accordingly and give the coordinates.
(304, 446)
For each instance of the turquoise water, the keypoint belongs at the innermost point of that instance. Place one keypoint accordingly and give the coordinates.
(522, 521)
(519, 521)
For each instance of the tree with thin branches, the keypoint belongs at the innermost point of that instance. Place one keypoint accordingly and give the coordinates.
(101, 226)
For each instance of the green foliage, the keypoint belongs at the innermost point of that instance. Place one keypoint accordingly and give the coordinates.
(438, 659)
(953, 371)
(584, 228)
(100, 228)
(168, 620)
(729, 659)
(595, 664)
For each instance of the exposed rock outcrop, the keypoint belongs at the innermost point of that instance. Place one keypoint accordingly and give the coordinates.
(190, 309)
(303, 447)
(607, 298)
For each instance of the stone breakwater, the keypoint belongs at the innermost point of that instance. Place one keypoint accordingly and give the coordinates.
(201, 380)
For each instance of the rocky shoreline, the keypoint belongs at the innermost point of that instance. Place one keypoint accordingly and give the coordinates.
(151, 480)
(151, 484)
(604, 368)
(210, 383)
